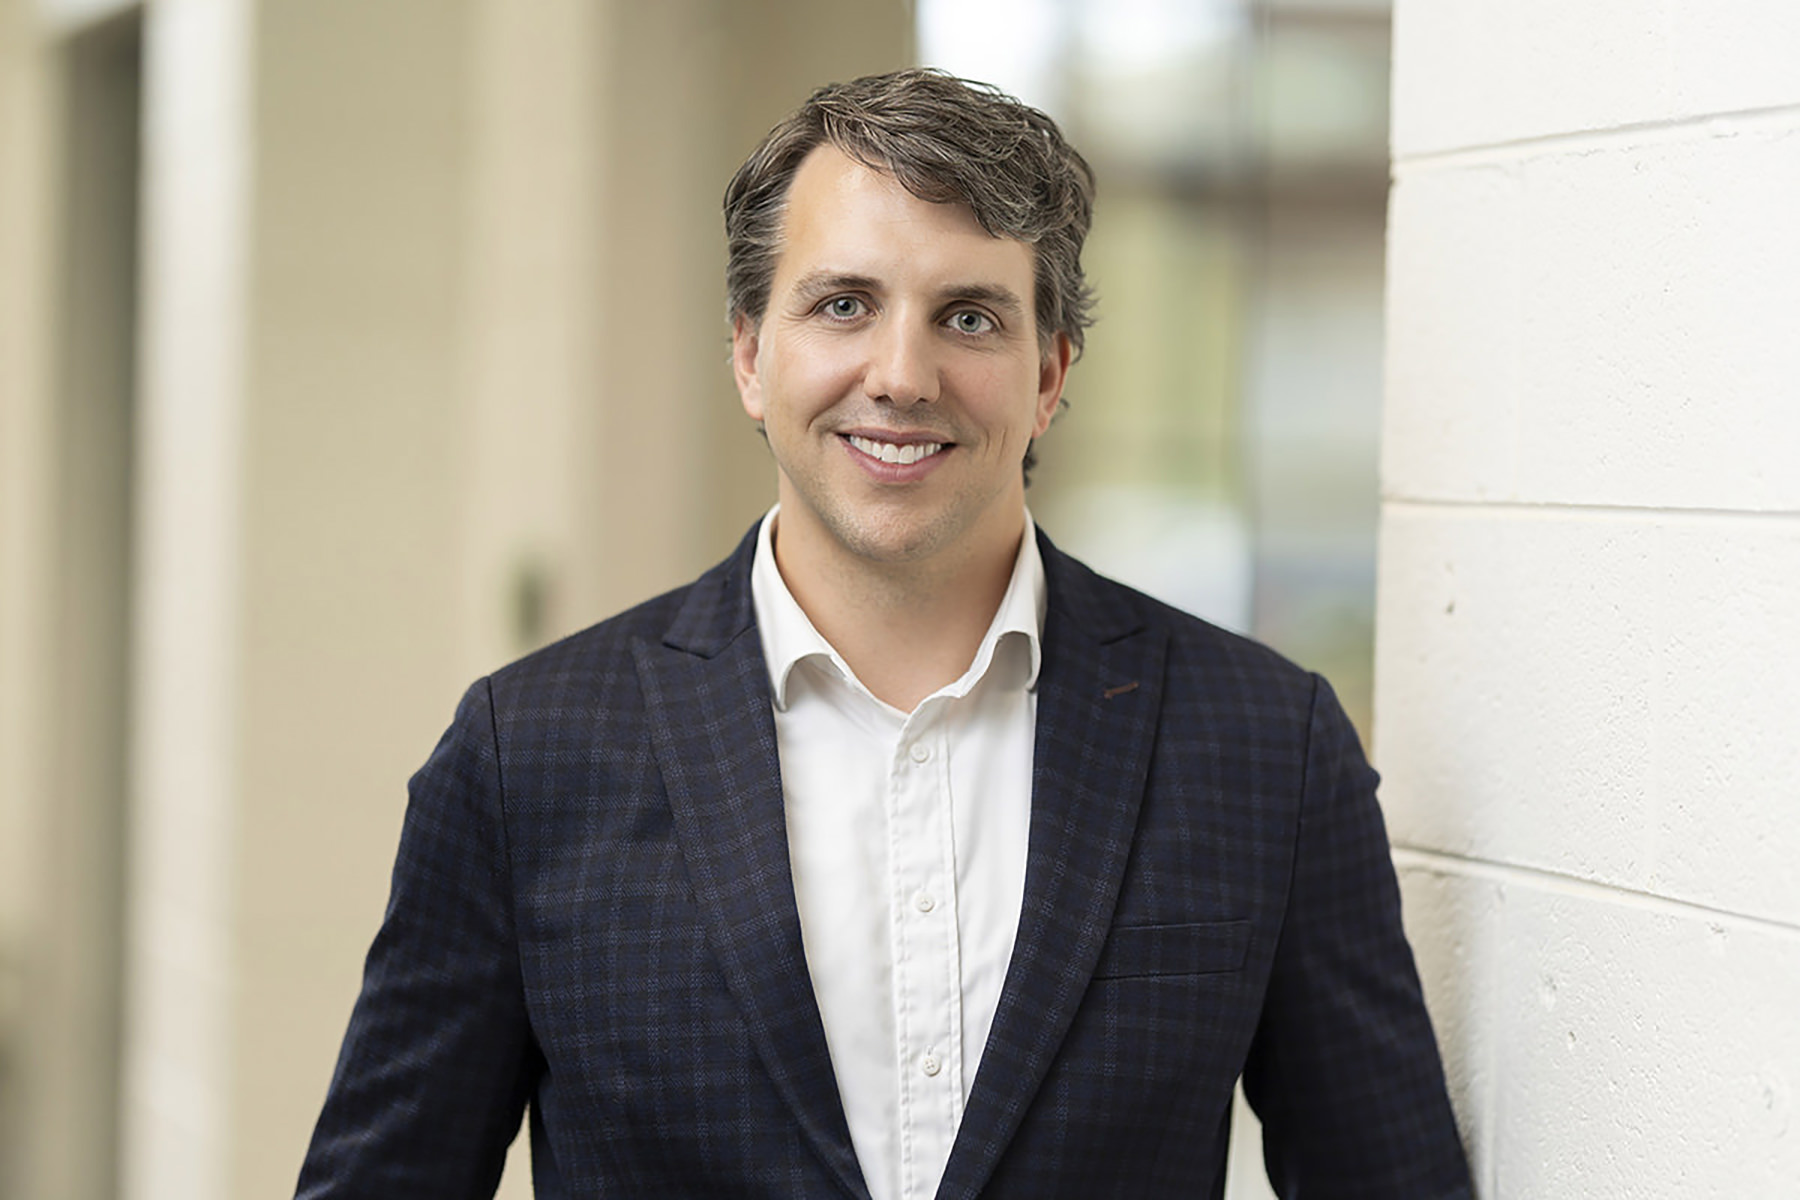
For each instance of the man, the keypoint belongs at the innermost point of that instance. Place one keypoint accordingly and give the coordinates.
(899, 855)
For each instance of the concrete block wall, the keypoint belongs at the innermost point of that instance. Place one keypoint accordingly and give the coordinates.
(1588, 637)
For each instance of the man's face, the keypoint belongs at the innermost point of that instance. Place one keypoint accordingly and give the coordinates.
(897, 373)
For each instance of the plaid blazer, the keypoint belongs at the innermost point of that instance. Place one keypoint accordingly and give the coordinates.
(592, 919)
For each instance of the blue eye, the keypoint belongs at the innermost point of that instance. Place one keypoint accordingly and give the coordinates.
(969, 320)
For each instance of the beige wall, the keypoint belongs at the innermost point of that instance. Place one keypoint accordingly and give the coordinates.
(25, 562)
(352, 450)
(67, 157)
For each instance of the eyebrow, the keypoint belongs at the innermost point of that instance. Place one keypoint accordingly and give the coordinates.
(815, 285)
(992, 295)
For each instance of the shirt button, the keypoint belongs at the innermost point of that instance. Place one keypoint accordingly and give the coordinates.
(920, 752)
(923, 902)
(931, 1065)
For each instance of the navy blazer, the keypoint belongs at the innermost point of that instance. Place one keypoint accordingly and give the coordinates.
(592, 916)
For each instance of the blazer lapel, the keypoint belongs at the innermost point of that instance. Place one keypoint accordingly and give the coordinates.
(1099, 692)
(707, 690)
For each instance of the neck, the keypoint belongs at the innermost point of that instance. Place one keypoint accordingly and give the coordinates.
(906, 629)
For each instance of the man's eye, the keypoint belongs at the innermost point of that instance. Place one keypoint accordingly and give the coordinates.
(970, 321)
(843, 307)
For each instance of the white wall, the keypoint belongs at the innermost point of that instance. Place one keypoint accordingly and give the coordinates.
(1588, 641)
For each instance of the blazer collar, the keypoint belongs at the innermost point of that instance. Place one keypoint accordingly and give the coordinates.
(1099, 697)
(706, 691)
(1100, 689)
(717, 609)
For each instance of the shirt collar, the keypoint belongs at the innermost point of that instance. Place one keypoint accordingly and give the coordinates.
(789, 638)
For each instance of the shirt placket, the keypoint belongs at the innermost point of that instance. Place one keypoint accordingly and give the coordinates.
(928, 995)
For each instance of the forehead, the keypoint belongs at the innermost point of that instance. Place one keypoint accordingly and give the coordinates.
(842, 215)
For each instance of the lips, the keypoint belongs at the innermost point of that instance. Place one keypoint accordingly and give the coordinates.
(898, 453)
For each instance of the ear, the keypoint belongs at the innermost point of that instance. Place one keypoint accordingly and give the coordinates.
(1053, 371)
(745, 342)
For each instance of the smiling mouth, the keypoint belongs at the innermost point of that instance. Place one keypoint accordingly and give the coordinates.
(903, 454)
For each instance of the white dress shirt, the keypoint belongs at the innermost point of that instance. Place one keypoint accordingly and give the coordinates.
(907, 835)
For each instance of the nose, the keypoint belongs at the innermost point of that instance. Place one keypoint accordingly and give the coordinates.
(902, 367)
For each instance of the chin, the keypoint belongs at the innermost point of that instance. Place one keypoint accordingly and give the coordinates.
(894, 539)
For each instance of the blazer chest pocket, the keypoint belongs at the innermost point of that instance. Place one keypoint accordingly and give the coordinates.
(1168, 951)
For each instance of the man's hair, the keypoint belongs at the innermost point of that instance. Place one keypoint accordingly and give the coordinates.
(945, 140)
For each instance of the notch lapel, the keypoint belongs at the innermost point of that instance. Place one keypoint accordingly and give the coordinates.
(1100, 690)
(713, 733)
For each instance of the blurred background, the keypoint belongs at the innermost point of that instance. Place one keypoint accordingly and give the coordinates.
(349, 348)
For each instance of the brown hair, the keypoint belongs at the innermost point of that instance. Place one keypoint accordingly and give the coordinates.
(945, 140)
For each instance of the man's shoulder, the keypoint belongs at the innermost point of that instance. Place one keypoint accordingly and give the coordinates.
(1195, 644)
(1235, 689)
(604, 641)
(710, 609)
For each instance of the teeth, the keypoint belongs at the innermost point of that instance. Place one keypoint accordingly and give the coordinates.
(891, 452)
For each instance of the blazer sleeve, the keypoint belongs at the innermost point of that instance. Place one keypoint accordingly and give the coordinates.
(1344, 1070)
(438, 1061)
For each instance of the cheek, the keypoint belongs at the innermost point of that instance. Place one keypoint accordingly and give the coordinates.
(803, 380)
(1012, 405)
